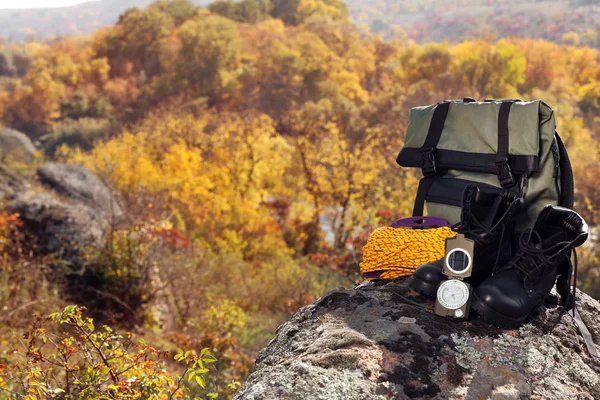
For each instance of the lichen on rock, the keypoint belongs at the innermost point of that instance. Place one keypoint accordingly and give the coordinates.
(369, 343)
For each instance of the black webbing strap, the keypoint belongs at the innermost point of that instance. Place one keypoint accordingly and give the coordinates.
(505, 175)
(428, 166)
(588, 340)
(436, 127)
(568, 302)
(567, 183)
(424, 186)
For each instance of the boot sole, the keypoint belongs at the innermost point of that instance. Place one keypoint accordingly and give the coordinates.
(428, 289)
(501, 321)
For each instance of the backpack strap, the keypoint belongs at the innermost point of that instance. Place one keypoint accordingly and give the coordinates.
(434, 133)
(567, 182)
(424, 185)
(505, 175)
(428, 166)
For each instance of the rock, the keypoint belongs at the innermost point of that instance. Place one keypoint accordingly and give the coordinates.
(10, 184)
(375, 342)
(79, 183)
(57, 227)
(16, 146)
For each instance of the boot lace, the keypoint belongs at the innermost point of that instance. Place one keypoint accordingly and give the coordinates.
(475, 229)
(479, 232)
(532, 259)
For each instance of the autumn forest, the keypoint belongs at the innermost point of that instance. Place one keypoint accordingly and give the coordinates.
(252, 148)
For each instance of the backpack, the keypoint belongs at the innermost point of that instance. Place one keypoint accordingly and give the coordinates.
(499, 145)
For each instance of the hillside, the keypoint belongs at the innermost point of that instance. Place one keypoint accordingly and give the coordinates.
(420, 20)
(85, 18)
(456, 20)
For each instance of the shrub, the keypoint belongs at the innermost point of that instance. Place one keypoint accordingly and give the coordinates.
(81, 133)
(65, 356)
(23, 286)
(120, 278)
(81, 105)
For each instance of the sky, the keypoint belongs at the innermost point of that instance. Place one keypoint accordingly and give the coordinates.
(38, 3)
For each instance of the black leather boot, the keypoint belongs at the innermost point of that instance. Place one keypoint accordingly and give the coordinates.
(519, 287)
(486, 218)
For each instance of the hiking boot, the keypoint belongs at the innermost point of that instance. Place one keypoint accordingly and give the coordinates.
(523, 284)
(487, 219)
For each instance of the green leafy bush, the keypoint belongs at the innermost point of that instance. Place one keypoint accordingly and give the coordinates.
(65, 356)
(80, 133)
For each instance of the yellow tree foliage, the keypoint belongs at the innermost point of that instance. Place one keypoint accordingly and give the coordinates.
(36, 99)
(343, 178)
(571, 38)
(335, 9)
(423, 62)
(489, 70)
(211, 182)
(200, 61)
(538, 73)
(582, 64)
(589, 95)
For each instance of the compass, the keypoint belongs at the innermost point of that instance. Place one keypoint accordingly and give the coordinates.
(453, 294)
(453, 298)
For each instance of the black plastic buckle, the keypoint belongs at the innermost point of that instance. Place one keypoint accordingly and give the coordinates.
(505, 175)
(428, 166)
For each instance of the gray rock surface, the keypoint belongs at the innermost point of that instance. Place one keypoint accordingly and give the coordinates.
(370, 343)
(79, 183)
(16, 145)
(11, 184)
(53, 226)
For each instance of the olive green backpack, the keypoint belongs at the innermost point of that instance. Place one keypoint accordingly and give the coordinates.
(508, 144)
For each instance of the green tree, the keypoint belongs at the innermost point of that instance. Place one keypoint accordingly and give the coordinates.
(6, 63)
(286, 10)
(249, 11)
(424, 62)
(210, 48)
(179, 10)
(138, 38)
(295, 12)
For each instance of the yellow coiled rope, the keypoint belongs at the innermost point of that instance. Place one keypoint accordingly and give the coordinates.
(394, 252)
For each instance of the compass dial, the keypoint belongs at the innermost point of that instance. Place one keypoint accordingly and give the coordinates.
(453, 294)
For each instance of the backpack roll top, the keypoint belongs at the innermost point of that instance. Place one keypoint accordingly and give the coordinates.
(500, 145)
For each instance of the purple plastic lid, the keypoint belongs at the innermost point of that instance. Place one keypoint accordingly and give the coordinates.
(420, 222)
(372, 274)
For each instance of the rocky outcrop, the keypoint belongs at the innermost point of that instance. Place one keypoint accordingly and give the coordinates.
(70, 226)
(11, 184)
(68, 214)
(55, 227)
(377, 342)
(15, 145)
(79, 183)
